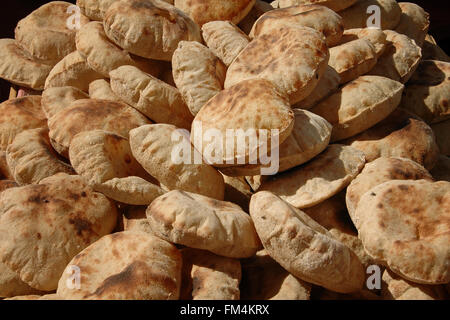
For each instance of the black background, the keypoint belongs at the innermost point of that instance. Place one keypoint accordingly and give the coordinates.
(11, 11)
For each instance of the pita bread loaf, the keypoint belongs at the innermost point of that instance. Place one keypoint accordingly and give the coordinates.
(336, 5)
(101, 89)
(379, 171)
(153, 146)
(73, 70)
(303, 247)
(258, 9)
(441, 170)
(400, 59)
(111, 271)
(18, 115)
(428, 91)
(404, 224)
(212, 10)
(249, 106)
(332, 215)
(104, 56)
(356, 16)
(414, 22)
(198, 74)
(293, 59)
(7, 184)
(45, 33)
(135, 219)
(431, 51)
(94, 9)
(237, 191)
(359, 105)
(353, 59)
(149, 28)
(319, 18)
(320, 179)
(58, 98)
(375, 36)
(327, 85)
(402, 135)
(11, 285)
(43, 226)
(157, 100)
(264, 279)
(207, 276)
(90, 114)
(396, 288)
(224, 39)
(203, 223)
(19, 67)
(31, 157)
(441, 131)
(310, 136)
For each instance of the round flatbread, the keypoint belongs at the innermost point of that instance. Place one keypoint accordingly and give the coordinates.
(320, 179)
(44, 226)
(250, 107)
(156, 148)
(73, 70)
(376, 36)
(47, 33)
(31, 157)
(58, 98)
(405, 225)
(17, 115)
(359, 105)
(402, 135)
(293, 59)
(109, 270)
(101, 89)
(316, 17)
(204, 223)
(428, 92)
(149, 28)
(303, 247)
(104, 56)
(154, 98)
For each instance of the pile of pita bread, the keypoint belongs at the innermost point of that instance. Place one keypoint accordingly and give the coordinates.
(93, 204)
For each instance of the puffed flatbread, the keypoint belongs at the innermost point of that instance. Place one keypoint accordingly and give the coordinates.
(109, 270)
(336, 5)
(303, 247)
(414, 22)
(404, 224)
(58, 98)
(293, 58)
(401, 134)
(43, 226)
(149, 28)
(316, 17)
